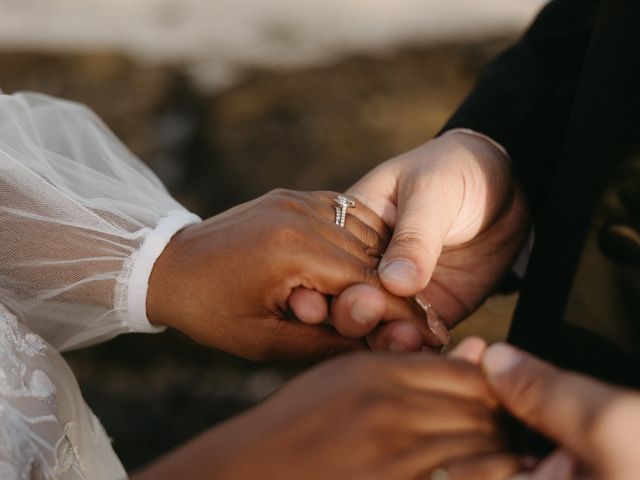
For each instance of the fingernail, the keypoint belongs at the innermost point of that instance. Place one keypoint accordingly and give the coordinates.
(362, 314)
(500, 359)
(403, 272)
(435, 323)
(439, 329)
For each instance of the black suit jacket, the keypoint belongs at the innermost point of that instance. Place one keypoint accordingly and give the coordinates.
(565, 102)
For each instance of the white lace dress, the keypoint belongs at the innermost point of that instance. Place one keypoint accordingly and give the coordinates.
(82, 222)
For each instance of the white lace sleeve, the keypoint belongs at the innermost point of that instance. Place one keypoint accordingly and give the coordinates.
(82, 222)
(47, 431)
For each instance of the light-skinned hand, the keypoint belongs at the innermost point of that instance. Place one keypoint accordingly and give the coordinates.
(458, 219)
(597, 426)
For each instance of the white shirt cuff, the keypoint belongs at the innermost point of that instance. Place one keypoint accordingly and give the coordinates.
(145, 258)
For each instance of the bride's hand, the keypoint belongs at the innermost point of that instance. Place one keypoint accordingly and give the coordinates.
(226, 282)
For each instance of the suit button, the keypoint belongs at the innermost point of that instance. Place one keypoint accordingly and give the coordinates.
(621, 243)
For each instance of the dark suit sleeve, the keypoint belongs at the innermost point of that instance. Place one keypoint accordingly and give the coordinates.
(523, 99)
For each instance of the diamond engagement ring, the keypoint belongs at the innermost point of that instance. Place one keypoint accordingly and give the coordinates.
(342, 204)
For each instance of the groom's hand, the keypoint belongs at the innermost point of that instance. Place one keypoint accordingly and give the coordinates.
(226, 282)
(458, 220)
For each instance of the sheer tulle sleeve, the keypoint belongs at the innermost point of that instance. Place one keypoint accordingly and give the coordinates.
(82, 222)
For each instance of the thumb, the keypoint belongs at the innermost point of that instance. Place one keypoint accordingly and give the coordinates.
(558, 404)
(424, 216)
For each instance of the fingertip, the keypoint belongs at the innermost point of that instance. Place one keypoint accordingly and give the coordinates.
(357, 310)
(400, 276)
(396, 337)
(470, 349)
(309, 306)
(499, 360)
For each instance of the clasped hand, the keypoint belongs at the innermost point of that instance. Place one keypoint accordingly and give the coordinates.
(227, 281)
(458, 220)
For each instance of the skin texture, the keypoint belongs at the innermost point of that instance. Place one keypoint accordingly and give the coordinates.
(458, 218)
(597, 423)
(226, 282)
(361, 416)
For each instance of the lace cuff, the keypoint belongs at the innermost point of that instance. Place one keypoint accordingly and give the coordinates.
(82, 221)
(142, 265)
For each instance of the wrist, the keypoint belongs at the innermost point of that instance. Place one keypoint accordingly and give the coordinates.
(484, 151)
(485, 171)
(153, 289)
(481, 136)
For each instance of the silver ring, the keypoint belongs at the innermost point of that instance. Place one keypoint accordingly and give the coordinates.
(439, 474)
(342, 204)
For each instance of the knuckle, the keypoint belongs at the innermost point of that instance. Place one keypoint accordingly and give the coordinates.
(380, 409)
(281, 192)
(376, 406)
(373, 259)
(372, 240)
(287, 200)
(370, 274)
(410, 240)
(285, 233)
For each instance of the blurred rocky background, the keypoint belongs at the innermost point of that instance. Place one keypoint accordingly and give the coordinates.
(226, 100)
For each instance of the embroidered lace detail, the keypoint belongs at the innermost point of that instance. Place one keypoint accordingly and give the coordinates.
(33, 445)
